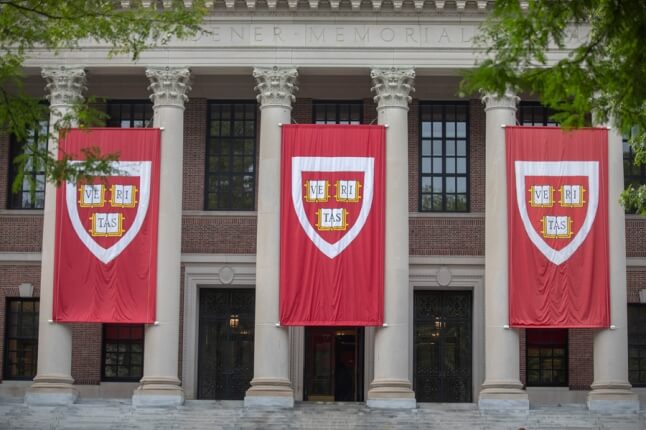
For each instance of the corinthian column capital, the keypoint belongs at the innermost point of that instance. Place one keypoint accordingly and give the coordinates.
(276, 86)
(65, 85)
(509, 100)
(169, 85)
(393, 86)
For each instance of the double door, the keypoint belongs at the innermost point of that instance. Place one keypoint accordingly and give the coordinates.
(443, 346)
(225, 349)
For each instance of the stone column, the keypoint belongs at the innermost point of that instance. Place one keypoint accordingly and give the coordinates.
(391, 387)
(502, 388)
(270, 385)
(53, 382)
(611, 391)
(160, 385)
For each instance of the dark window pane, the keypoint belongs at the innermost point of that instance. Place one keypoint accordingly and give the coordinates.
(546, 354)
(446, 124)
(31, 194)
(231, 151)
(637, 344)
(130, 113)
(21, 336)
(122, 352)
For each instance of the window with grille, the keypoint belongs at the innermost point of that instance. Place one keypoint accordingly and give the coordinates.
(130, 114)
(633, 175)
(21, 339)
(533, 113)
(31, 194)
(342, 112)
(230, 173)
(547, 358)
(637, 344)
(444, 157)
(123, 352)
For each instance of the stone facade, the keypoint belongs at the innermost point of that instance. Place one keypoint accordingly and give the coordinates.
(332, 62)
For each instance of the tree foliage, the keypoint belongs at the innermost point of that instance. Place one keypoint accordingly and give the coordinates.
(27, 26)
(528, 49)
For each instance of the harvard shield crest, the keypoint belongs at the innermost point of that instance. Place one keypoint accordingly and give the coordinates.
(332, 198)
(557, 202)
(108, 213)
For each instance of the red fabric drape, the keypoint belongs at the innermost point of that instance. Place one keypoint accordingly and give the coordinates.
(106, 231)
(557, 198)
(332, 225)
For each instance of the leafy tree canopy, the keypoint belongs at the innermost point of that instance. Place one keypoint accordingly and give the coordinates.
(56, 25)
(604, 74)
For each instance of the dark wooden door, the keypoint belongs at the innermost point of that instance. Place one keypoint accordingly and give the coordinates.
(225, 355)
(443, 346)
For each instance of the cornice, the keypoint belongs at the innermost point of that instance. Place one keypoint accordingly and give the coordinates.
(216, 7)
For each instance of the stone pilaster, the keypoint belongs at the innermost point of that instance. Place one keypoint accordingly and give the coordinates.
(53, 382)
(160, 385)
(270, 385)
(391, 387)
(502, 388)
(611, 391)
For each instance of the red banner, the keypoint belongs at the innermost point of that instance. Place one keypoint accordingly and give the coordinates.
(106, 231)
(332, 225)
(557, 199)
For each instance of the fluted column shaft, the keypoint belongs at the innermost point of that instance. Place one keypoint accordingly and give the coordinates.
(160, 384)
(53, 381)
(391, 387)
(270, 385)
(611, 391)
(502, 388)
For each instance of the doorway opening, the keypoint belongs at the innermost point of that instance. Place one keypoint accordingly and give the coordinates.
(443, 346)
(333, 364)
(225, 350)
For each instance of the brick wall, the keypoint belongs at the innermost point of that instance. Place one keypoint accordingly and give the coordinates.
(580, 359)
(219, 234)
(635, 236)
(194, 154)
(21, 233)
(413, 157)
(86, 353)
(446, 236)
(4, 167)
(636, 281)
(476, 156)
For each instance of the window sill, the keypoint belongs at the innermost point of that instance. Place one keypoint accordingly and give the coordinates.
(220, 213)
(22, 212)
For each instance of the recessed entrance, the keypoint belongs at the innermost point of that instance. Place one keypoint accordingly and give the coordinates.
(225, 351)
(333, 364)
(443, 350)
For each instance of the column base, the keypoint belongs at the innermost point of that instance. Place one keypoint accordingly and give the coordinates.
(158, 392)
(391, 394)
(269, 392)
(51, 391)
(613, 398)
(503, 396)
